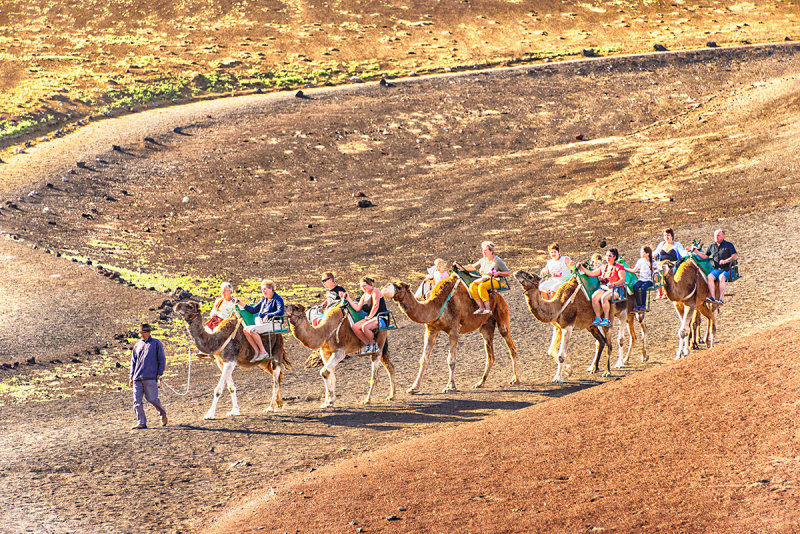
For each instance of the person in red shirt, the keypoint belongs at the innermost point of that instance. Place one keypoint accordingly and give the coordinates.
(612, 280)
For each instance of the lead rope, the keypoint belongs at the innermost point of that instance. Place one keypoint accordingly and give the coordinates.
(188, 376)
(569, 300)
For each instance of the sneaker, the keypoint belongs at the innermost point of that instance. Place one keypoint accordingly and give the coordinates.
(138, 427)
(711, 299)
(478, 311)
(720, 302)
(596, 321)
(374, 347)
(487, 311)
(261, 357)
(605, 322)
(164, 419)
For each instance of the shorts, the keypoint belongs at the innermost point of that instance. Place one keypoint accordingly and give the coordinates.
(263, 326)
(619, 292)
(717, 274)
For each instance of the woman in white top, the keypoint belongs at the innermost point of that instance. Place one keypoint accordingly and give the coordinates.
(645, 268)
(222, 308)
(558, 269)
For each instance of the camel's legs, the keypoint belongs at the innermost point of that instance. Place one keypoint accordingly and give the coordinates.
(562, 353)
(683, 334)
(642, 318)
(451, 361)
(232, 389)
(389, 368)
(487, 331)
(373, 377)
(427, 349)
(329, 377)
(512, 351)
(227, 368)
(625, 319)
(276, 401)
(598, 348)
(555, 342)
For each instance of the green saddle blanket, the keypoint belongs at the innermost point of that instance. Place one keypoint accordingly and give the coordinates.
(470, 276)
(249, 319)
(704, 265)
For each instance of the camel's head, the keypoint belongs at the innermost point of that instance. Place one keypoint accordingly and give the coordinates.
(527, 280)
(187, 309)
(295, 311)
(395, 290)
(667, 266)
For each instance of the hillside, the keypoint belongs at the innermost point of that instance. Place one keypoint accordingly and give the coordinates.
(64, 62)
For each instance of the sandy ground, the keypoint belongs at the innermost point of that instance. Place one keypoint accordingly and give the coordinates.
(72, 465)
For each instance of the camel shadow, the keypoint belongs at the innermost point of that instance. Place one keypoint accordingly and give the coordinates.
(251, 432)
(446, 411)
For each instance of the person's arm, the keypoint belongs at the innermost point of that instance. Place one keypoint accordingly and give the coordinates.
(254, 308)
(133, 364)
(587, 272)
(162, 360)
(500, 268)
(621, 275)
(658, 249)
(355, 305)
(680, 250)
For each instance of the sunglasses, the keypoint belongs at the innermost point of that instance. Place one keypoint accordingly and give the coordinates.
(326, 279)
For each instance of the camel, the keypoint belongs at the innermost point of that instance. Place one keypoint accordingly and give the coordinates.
(334, 339)
(569, 309)
(229, 348)
(689, 297)
(450, 309)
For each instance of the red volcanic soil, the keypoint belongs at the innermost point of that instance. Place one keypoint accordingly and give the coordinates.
(708, 443)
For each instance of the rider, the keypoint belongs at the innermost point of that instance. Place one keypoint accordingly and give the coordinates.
(222, 308)
(668, 250)
(558, 267)
(645, 268)
(373, 303)
(612, 279)
(333, 295)
(722, 254)
(268, 308)
(436, 274)
(490, 267)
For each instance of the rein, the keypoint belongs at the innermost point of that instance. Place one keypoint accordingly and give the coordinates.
(449, 296)
(569, 300)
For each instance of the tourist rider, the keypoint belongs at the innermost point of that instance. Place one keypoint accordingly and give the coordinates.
(333, 295)
(490, 267)
(148, 362)
(372, 303)
(669, 250)
(558, 269)
(436, 274)
(644, 269)
(270, 307)
(722, 254)
(223, 307)
(612, 280)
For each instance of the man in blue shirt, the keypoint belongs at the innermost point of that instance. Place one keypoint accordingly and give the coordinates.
(722, 253)
(148, 362)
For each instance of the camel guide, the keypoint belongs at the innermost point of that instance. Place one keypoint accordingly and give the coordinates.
(148, 362)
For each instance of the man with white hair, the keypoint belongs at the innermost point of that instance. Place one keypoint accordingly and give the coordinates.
(722, 253)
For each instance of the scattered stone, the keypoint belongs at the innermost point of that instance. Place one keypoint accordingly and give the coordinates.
(412, 73)
(711, 44)
(448, 69)
(45, 209)
(49, 185)
(150, 140)
(116, 148)
(580, 137)
(787, 38)
(392, 518)
(354, 523)
(31, 360)
(355, 79)
(58, 254)
(364, 203)
(401, 509)
(81, 164)
(359, 194)
(589, 52)
(110, 198)
(32, 194)
(746, 42)
(87, 216)
(311, 226)
(76, 360)
(56, 360)
(101, 161)
(16, 364)
(603, 243)
(385, 83)
(300, 94)
(18, 150)
(185, 200)
(124, 193)
(178, 130)
(6, 366)
(63, 178)
(88, 262)
(230, 64)
(360, 529)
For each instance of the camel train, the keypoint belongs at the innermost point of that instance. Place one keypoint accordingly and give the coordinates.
(569, 296)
